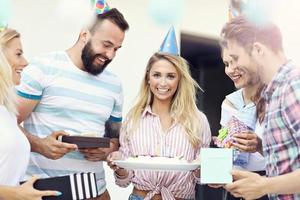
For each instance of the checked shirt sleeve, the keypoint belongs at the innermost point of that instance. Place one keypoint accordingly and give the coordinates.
(291, 108)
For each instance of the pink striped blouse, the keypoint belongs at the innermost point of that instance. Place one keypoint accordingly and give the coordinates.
(149, 139)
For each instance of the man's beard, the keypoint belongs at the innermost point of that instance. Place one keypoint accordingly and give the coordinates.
(88, 56)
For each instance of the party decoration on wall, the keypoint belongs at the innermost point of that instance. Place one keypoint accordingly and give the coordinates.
(169, 44)
(101, 6)
(93, 2)
(5, 12)
(235, 8)
(166, 12)
(257, 11)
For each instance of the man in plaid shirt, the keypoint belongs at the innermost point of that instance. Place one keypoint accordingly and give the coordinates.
(257, 48)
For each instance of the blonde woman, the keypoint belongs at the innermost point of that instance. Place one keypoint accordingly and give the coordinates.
(165, 117)
(14, 146)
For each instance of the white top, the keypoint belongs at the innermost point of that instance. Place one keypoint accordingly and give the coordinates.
(14, 149)
(256, 160)
(247, 114)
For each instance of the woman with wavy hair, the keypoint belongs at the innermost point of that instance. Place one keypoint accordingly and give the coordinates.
(14, 146)
(165, 121)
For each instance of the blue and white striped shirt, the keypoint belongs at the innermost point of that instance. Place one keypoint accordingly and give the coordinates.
(69, 99)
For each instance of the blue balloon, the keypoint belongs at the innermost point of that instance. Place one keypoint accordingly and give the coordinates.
(5, 12)
(166, 12)
(257, 11)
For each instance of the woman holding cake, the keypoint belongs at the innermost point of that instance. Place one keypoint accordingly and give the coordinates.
(14, 146)
(164, 122)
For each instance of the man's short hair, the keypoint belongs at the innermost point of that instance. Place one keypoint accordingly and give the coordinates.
(114, 16)
(245, 33)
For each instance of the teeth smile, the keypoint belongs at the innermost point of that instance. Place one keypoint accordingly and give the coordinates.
(102, 59)
(162, 90)
(235, 77)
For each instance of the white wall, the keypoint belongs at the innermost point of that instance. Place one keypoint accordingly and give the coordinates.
(42, 31)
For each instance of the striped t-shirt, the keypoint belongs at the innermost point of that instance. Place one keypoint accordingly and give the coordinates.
(69, 99)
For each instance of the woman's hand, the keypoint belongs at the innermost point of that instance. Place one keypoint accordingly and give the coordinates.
(116, 155)
(196, 172)
(26, 192)
(248, 142)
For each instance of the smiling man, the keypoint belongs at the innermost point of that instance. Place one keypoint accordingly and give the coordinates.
(73, 90)
(261, 45)
(241, 105)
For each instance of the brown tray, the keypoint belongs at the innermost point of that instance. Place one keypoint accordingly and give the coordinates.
(87, 142)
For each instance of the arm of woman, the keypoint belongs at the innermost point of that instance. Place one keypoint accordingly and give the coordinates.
(25, 192)
(205, 141)
(206, 132)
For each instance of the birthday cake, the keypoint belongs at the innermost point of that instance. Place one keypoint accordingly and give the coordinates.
(156, 159)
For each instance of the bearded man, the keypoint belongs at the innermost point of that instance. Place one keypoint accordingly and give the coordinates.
(73, 90)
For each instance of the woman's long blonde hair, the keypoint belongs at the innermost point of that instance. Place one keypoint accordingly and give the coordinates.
(183, 105)
(8, 96)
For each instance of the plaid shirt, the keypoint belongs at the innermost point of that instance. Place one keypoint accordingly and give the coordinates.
(281, 139)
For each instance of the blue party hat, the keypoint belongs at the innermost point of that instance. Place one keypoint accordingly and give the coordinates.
(101, 6)
(169, 44)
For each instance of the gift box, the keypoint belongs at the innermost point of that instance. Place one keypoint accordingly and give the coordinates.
(86, 142)
(73, 187)
(225, 140)
(225, 137)
(216, 165)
